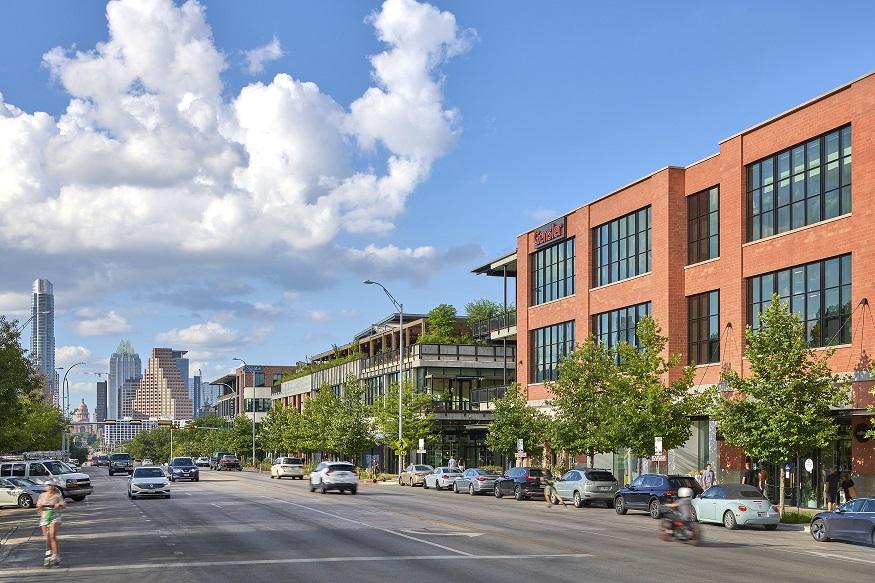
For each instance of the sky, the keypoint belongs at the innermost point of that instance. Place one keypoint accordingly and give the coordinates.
(220, 177)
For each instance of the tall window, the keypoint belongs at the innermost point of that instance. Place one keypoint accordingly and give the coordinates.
(703, 225)
(621, 248)
(553, 272)
(620, 325)
(819, 293)
(548, 346)
(703, 314)
(806, 184)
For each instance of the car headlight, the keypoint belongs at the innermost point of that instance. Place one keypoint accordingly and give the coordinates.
(135, 485)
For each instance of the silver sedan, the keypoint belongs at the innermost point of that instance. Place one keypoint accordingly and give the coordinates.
(475, 481)
(441, 478)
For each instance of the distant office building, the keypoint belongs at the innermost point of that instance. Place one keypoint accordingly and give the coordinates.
(126, 396)
(182, 365)
(194, 393)
(100, 410)
(42, 338)
(115, 435)
(161, 392)
(124, 364)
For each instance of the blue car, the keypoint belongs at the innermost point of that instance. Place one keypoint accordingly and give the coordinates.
(183, 468)
(853, 521)
(650, 491)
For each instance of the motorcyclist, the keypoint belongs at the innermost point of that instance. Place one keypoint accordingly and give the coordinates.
(682, 506)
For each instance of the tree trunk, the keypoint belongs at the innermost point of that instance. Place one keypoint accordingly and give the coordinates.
(781, 495)
(591, 456)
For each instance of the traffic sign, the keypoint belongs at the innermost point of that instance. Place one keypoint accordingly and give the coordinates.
(421, 451)
(421, 444)
(519, 445)
(657, 445)
(660, 457)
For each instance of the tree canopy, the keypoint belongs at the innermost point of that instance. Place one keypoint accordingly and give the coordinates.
(417, 418)
(515, 419)
(442, 327)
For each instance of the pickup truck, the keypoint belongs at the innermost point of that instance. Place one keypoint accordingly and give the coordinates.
(121, 463)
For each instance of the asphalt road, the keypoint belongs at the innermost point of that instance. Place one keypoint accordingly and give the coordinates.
(247, 527)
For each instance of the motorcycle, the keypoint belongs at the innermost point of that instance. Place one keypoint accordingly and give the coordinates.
(673, 528)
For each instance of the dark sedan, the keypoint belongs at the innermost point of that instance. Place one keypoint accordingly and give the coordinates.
(523, 483)
(475, 481)
(853, 521)
(650, 491)
(183, 468)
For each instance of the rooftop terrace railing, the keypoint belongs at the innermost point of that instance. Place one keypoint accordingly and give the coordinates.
(484, 328)
(448, 352)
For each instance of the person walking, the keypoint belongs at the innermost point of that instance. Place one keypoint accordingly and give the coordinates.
(49, 505)
(461, 465)
(763, 480)
(749, 475)
(452, 462)
(848, 487)
(831, 486)
(708, 478)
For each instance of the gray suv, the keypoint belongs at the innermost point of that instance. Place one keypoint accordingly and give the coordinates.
(121, 463)
(587, 485)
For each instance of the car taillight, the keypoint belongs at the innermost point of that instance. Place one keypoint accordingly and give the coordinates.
(444, 476)
(678, 523)
(775, 509)
(742, 507)
(329, 472)
(481, 479)
(531, 479)
(669, 492)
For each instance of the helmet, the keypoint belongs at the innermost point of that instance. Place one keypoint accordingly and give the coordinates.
(685, 492)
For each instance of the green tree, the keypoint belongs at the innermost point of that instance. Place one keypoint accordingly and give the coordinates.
(417, 419)
(318, 421)
(588, 401)
(653, 407)
(271, 432)
(442, 327)
(514, 418)
(782, 409)
(352, 425)
(239, 438)
(153, 444)
(482, 309)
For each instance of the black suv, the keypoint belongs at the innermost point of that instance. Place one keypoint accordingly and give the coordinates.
(522, 483)
(121, 463)
(649, 491)
(216, 457)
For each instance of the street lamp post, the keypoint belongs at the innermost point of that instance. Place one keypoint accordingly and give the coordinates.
(65, 403)
(400, 308)
(245, 366)
(29, 320)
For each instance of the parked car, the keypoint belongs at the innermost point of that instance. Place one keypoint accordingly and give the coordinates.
(522, 483)
(183, 468)
(19, 492)
(585, 486)
(414, 474)
(648, 491)
(475, 481)
(287, 467)
(852, 521)
(71, 483)
(441, 478)
(334, 476)
(229, 462)
(148, 462)
(148, 481)
(121, 463)
(736, 505)
(216, 457)
(202, 462)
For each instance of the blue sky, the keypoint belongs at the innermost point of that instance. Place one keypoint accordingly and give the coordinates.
(540, 108)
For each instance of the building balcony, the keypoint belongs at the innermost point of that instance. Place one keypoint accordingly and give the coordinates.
(501, 327)
(442, 353)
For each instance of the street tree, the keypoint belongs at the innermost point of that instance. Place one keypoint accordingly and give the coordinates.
(652, 405)
(416, 417)
(352, 426)
(513, 419)
(588, 401)
(782, 409)
(271, 431)
(239, 438)
(442, 327)
(318, 421)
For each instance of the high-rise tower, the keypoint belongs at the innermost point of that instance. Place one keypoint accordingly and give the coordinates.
(124, 365)
(42, 338)
(161, 392)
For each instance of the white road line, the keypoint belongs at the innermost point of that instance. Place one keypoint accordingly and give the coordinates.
(178, 564)
(396, 533)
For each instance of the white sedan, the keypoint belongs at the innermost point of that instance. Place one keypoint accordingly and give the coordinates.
(441, 478)
(334, 476)
(148, 481)
(287, 467)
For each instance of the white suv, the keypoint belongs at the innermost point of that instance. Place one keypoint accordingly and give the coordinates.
(334, 476)
(291, 467)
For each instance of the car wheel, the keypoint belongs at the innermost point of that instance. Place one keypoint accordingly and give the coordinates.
(498, 493)
(400, 481)
(172, 479)
(729, 520)
(818, 530)
(25, 501)
(425, 484)
(312, 487)
(770, 526)
(578, 501)
(167, 497)
(518, 494)
(410, 483)
(239, 469)
(77, 498)
(353, 491)
(272, 476)
(129, 495)
(455, 488)
(620, 505)
(323, 489)
(471, 489)
(198, 479)
(654, 509)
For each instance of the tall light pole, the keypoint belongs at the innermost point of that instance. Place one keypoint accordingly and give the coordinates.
(29, 320)
(246, 366)
(400, 308)
(65, 403)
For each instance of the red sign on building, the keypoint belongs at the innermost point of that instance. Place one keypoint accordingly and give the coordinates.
(549, 233)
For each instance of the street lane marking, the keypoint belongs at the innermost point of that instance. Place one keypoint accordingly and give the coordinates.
(178, 564)
(428, 533)
(394, 532)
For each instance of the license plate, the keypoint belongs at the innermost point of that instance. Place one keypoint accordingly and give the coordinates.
(604, 488)
(761, 514)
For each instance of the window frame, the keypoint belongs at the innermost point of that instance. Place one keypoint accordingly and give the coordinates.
(544, 356)
(552, 272)
(695, 320)
(696, 218)
(612, 336)
(612, 242)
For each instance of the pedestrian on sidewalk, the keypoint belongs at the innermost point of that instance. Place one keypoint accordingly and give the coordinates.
(708, 478)
(749, 475)
(763, 480)
(461, 465)
(848, 487)
(452, 462)
(49, 505)
(831, 485)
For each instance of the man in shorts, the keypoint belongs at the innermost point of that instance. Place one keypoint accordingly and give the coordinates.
(831, 484)
(49, 505)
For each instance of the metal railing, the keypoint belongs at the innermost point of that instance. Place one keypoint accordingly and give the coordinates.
(484, 328)
(482, 399)
(449, 352)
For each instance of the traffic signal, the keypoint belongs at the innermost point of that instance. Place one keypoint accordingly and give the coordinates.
(136, 422)
(164, 423)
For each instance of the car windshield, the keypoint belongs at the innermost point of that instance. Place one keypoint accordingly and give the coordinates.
(600, 476)
(741, 492)
(229, 458)
(23, 482)
(293, 461)
(182, 461)
(341, 467)
(686, 482)
(57, 468)
(121, 457)
(538, 473)
(148, 473)
(424, 468)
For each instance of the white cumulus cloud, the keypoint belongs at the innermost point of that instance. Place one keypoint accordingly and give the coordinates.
(257, 57)
(94, 324)
(67, 355)
(208, 334)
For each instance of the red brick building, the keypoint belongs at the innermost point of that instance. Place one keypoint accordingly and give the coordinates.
(782, 206)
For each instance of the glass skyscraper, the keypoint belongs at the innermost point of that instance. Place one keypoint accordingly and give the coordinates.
(42, 338)
(124, 365)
